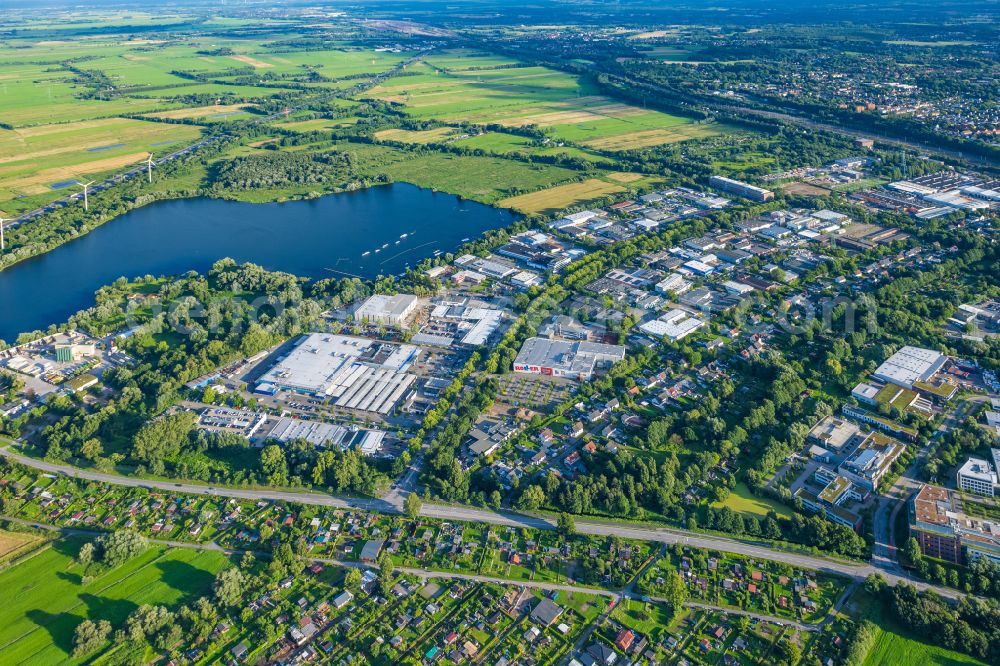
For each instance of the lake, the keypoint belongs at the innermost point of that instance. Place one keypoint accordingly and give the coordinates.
(375, 231)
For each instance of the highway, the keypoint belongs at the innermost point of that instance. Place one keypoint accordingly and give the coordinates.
(759, 550)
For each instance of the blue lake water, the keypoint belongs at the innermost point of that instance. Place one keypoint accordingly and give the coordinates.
(325, 237)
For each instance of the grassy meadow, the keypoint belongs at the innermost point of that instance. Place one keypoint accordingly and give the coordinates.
(569, 109)
(46, 597)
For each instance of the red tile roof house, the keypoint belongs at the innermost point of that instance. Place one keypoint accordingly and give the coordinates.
(624, 639)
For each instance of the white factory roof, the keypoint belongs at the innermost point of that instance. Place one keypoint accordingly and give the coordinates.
(981, 192)
(567, 356)
(382, 305)
(911, 187)
(330, 365)
(955, 199)
(829, 216)
(737, 287)
(675, 325)
(327, 434)
(910, 364)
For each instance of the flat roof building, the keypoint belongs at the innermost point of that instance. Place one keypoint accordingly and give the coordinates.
(945, 532)
(741, 189)
(872, 460)
(327, 434)
(674, 325)
(833, 434)
(384, 309)
(356, 373)
(977, 476)
(562, 358)
(909, 365)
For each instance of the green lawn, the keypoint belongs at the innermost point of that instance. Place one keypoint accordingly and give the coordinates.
(743, 501)
(892, 649)
(45, 598)
(485, 179)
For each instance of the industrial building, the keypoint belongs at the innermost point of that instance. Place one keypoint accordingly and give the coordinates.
(562, 358)
(673, 325)
(355, 373)
(388, 310)
(70, 352)
(910, 365)
(945, 532)
(327, 435)
(740, 189)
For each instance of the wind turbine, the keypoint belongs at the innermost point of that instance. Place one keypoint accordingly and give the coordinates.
(3, 243)
(86, 202)
(149, 168)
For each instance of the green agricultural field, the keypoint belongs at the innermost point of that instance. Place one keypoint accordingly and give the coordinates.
(500, 143)
(32, 95)
(45, 597)
(485, 179)
(743, 501)
(39, 163)
(892, 649)
(465, 59)
(566, 107)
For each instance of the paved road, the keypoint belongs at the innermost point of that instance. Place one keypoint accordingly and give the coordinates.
(924, 148)
(894, 499)
(759, 550)
(426, 574)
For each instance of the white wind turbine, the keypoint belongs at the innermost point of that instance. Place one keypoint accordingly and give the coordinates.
(3, 242)
(149, 168)
(86, 202)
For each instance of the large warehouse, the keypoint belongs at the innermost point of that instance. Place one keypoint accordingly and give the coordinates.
(561, 358)
(390, 310)
(910, 365)
(356, 373)
(327, 434)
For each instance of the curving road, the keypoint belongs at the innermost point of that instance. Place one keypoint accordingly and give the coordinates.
(640, 532)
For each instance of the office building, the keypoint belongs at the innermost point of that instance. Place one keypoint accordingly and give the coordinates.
(945, 532)
(740, 189)
(977, 476)
(834, 434)
(871, 460)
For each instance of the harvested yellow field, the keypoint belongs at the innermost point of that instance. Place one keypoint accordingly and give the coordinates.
(13, 544)
(253, 62)
(561, 196)
(39, 181)
(576, 115)
(82, 141)
(408, 136)
(200, 111)
(653, 137)
(625, 176)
